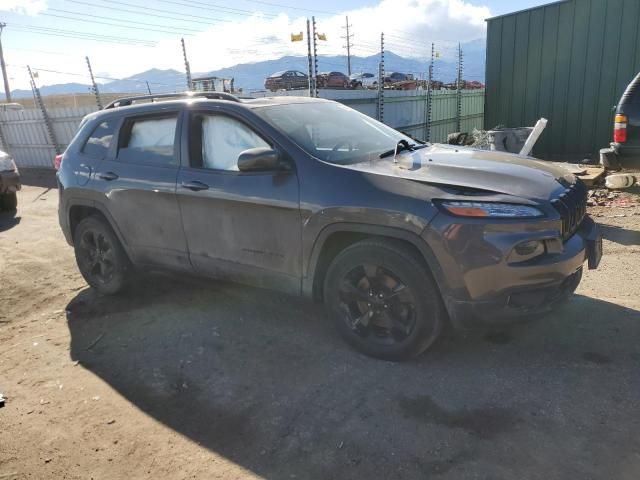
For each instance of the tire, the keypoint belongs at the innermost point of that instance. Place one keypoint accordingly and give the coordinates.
(383, 300)
(8, 202)
(100, 257)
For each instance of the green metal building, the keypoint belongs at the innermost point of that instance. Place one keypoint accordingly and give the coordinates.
(567, 61)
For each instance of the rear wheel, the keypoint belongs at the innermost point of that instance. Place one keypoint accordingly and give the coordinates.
(8, 202)
(100, 256)
(382, 300)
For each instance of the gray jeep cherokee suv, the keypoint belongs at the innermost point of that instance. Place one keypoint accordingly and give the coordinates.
(310, 197)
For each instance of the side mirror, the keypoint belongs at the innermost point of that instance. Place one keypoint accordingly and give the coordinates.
(259, 159)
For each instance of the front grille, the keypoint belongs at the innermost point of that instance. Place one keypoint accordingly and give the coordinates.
(572, 206)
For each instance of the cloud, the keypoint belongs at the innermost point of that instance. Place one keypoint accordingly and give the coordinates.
(409, 25)
(28, 7)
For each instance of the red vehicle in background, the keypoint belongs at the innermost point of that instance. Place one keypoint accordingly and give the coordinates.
(333, 80)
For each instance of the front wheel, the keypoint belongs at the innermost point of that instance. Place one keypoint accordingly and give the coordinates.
(383, 300)
(101, 259)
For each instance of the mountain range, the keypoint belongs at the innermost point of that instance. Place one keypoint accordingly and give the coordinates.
(250, 76)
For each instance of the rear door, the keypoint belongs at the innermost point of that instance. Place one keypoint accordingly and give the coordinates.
(138, 183)
(242, 226)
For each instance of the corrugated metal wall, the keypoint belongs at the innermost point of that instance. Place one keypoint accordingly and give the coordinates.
(26, 137)
(569, 62)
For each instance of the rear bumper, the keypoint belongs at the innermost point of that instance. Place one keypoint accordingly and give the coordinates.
(9, 182)
(502, 293)
(627, 156)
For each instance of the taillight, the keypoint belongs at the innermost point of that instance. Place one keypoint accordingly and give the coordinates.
(57, 162)
(620, 129)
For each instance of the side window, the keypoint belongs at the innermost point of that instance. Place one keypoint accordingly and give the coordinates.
(148, 140)
(98, 143)
(218, 140)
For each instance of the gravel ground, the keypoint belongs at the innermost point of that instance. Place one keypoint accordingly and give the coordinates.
(186, 378)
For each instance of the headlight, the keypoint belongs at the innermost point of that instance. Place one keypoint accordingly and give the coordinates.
(7, 164)
(490, 209)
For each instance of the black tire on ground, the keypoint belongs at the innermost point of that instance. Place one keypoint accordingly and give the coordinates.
(8, 202)
(383, 300)
(100, 257)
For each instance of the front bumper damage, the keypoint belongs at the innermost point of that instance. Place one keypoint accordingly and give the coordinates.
(496, 292)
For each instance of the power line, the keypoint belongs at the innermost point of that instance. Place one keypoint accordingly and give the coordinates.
(192, 19)
(124, 20)
(216, 8)
(291, 7)
(56, 32)
(111, 24)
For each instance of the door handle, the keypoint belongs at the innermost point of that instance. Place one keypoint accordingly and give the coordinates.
(195, 185)
(108, 176)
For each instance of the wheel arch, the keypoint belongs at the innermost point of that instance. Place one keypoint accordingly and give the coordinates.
(81, 209)
(336, 237)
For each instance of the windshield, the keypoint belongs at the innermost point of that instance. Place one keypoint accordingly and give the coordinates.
(332, 132)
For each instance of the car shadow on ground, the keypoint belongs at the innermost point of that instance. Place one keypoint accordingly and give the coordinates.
(263, 379)
(620, 235)
(39, 177)
(8, 220)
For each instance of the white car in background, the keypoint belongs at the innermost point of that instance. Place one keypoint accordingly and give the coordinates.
(363, 80)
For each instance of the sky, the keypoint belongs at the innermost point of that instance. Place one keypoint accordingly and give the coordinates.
(124, 37)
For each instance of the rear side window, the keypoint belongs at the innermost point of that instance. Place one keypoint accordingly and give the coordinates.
(149, 140)
(98, 143)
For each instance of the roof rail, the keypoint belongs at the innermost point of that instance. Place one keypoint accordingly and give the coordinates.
(126, 101)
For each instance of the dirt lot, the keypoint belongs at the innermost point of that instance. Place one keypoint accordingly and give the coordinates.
(198, 379)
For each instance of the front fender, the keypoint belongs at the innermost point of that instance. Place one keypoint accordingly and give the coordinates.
(411, 236)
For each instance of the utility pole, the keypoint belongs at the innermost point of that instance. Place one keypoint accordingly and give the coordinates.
(47, 120)
(459, 89)
(315, 58)
(186, 66)
(94, 85)
(348, 46)
(429, 104)
(381, 80)
(310, 58)
(148, 88)
(7, 90)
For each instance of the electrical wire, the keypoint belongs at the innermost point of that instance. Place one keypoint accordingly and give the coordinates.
(96, 22)
(123, 20)
(216, 8)
(192, 19)
(291, 7)
(56, 32)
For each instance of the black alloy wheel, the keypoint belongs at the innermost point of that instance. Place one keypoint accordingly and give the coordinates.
(100, 256)
(377, 304)
(96, 253)
(383, 299)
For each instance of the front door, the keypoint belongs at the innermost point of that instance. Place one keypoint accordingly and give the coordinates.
(138, 183)
(242, 226)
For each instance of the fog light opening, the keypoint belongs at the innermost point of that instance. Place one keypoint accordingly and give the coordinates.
(527, 250)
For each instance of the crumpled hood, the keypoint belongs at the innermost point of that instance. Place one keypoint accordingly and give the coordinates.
(498, 172)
